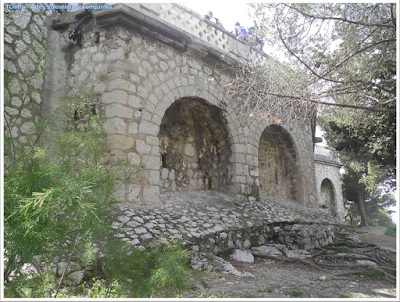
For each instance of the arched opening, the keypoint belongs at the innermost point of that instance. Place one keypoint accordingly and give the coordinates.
(277, 164)
(328, 196)
(194, 147)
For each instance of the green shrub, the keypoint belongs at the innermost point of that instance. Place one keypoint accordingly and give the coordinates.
(298, 221)
(371, 273)
(161, 270)
(57, 196)
(391, 231)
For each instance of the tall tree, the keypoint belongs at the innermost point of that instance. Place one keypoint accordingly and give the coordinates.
(368, 162)
(347, 51)
(338, 55)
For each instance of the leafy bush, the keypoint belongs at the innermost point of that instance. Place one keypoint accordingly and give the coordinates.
(391, 231)
(160, 270)
(371, 273)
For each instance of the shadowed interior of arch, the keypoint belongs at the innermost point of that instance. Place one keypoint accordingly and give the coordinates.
(277, 164)
(194, 147)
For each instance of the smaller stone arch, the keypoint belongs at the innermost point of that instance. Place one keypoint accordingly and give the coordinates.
(328, 196)
(278, 164)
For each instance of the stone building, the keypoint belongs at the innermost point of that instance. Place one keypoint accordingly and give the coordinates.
(329, 184)
(154, 75)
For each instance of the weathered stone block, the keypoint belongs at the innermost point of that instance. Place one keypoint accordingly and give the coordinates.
(117, 96)
(118, 110)
(142, 147)
(148, 128)
(134, 101)
(133, 128)
(116, 125)
(151, 195)
(118, 84)
(121, 142)
(151, 162)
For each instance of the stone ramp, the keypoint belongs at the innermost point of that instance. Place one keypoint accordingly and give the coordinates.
(212, 221)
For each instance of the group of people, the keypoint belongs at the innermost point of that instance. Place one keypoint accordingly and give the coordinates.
(240, 31)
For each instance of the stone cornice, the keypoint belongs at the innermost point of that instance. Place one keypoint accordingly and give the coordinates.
(146, 21)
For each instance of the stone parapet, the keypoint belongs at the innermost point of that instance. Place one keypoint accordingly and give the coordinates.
(326, 155)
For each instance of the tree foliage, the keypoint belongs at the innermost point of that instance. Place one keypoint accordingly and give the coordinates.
(369, 164)
(347, 51)
(342, 57)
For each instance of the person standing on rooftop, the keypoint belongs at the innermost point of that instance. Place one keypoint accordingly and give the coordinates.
(241, 32)
(210, 16)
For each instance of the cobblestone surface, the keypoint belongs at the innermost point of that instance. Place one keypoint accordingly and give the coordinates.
(212, 221)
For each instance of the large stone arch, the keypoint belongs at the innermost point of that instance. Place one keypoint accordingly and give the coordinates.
(191, 87)
(328, 196)
(278, 164)
(194, 147)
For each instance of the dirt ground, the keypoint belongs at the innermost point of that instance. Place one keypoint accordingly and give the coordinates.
(277, 279)
(376, 236)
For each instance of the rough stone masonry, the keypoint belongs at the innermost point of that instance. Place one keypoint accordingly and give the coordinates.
(153, 72)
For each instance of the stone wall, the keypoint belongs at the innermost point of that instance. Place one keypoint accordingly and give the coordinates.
(25, 57)
(153, 90)
(277, 162)
(213, 221)
(194, 147)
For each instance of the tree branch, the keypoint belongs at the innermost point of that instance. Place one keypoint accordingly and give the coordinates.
(340, 19)
(392, 15)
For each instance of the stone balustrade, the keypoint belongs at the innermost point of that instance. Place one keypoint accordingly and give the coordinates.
(325, 151)
(194, 24)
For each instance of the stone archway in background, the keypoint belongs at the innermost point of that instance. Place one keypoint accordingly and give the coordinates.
(194, 147)
(328, 199)
(277, 164)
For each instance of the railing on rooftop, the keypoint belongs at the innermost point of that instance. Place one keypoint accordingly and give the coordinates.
(194, 24)
(327, 152)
